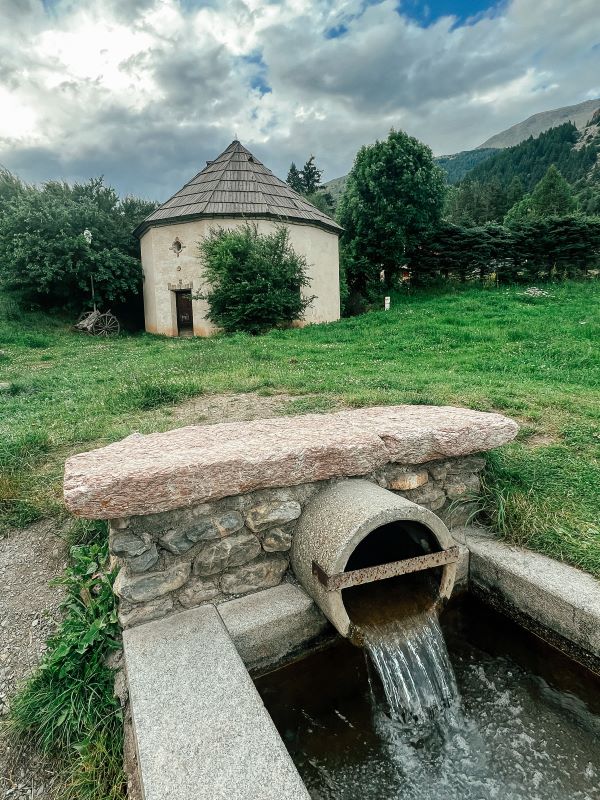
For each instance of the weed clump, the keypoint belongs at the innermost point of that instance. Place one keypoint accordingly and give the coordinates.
(67, 709)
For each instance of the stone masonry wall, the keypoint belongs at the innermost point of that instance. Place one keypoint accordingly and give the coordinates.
(179, 559)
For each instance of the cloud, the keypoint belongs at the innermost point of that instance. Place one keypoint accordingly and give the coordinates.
(144, 91)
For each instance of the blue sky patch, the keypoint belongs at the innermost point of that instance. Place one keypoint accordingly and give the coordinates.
(336, 32)
(258, 79)
(427, 11)
(259, 82)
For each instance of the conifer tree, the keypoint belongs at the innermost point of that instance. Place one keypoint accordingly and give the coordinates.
(515, 191)
(294, 178)
(552, 196)
(311, 176)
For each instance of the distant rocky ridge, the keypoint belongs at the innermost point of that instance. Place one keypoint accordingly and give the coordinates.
(457, 165)
(579, 114)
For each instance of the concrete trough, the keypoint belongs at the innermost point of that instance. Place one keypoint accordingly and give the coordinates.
(201, 729)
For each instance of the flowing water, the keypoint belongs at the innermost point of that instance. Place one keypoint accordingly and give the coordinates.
(519, 722)
(412, 662)
(404, 643)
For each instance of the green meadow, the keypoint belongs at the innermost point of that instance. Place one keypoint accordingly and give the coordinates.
(495, 349)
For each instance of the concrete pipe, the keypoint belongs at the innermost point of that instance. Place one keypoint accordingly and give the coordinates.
(356, 532)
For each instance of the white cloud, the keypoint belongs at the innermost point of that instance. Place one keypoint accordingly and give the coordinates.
(144, 91)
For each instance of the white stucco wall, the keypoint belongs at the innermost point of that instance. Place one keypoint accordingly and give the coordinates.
(164, 271)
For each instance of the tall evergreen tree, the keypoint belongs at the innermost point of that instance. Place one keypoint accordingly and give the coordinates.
(515, 191)
(552, 196)
(494, 201)
(294, 178)
(311, 176)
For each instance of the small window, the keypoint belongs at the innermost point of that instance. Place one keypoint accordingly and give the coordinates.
(177, 247)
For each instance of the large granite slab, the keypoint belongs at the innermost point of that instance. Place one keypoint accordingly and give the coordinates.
(163, 471)
(201, 729)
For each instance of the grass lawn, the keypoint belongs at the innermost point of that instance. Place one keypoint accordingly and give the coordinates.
(537, 360)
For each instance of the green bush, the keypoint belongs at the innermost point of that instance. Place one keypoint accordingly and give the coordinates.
(254, 280)
(44, 255)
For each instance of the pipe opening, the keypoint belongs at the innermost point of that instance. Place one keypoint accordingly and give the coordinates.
(402, 595)
(393, 542)
(357, 545)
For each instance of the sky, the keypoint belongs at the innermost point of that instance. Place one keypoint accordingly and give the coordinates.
(145, 91)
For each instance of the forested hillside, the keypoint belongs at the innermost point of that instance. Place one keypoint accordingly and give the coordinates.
(566, 137)
(529, 160)
(506, 181)
(457, 165)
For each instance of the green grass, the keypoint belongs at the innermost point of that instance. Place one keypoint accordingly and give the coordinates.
(67, 708)
(490, 349)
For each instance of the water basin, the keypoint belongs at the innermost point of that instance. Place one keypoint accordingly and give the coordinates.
(527, 726)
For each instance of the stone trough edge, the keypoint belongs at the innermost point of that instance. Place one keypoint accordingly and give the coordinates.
(561, 599)
(160, 472)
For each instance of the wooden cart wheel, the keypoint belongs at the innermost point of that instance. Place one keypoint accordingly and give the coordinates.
(107, 325)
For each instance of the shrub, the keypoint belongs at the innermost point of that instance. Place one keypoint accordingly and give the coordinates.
(45, 257)
(253, 281)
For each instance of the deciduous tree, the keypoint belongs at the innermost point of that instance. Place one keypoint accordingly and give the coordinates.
(392, 201)
(45, 257)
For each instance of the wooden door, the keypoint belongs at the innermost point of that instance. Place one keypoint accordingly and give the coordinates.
(185, 317)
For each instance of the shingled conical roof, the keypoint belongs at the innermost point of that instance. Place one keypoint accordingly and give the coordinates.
(236, 184)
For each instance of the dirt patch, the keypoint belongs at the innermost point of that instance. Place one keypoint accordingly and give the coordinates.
(213, 408)
(542, 440)
(29, 612)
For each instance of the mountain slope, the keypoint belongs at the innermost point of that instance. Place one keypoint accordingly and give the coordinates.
(335, 187)
(473, 162)
(575, 153)
(579, 115)
(457, 165)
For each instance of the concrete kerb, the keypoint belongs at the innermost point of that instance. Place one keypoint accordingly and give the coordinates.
(202, 731)
(270, 626)
(558, 602)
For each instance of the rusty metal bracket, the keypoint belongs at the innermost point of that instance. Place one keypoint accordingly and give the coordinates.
(356, 577)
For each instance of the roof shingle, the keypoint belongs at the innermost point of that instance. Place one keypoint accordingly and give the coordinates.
(237, 184)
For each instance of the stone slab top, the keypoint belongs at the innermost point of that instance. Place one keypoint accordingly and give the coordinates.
(199, 463)
(201, 729)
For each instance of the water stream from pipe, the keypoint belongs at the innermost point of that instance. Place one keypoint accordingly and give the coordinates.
(504, 734)
(412, 662)
(404, 643)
